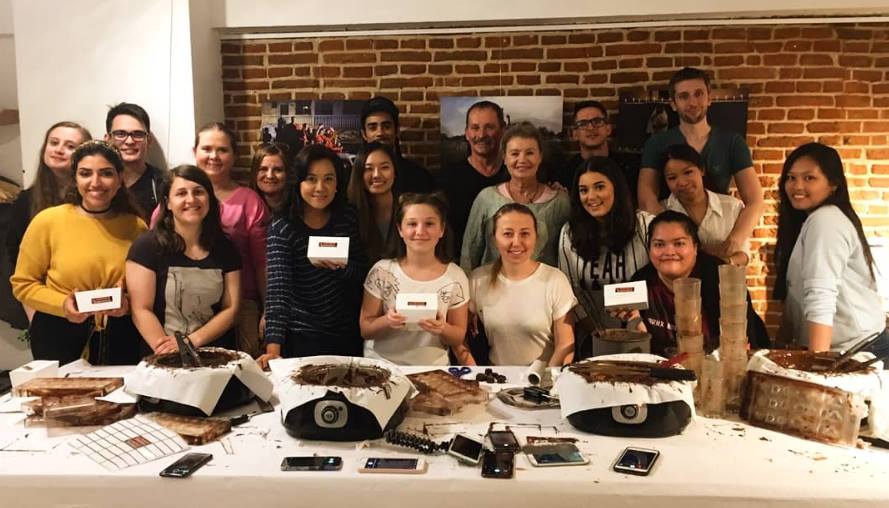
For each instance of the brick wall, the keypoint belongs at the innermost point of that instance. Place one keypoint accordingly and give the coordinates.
(827, 83)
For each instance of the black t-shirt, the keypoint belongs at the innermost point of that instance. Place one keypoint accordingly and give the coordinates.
(188, 292)
(660, 318)
(412, 177)
(146, 191)
(461, 184)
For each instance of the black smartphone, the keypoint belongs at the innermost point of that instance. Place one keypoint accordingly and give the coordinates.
(638, 461)
(504, 441)
(498, 464)
(312, 464)
(186, 465)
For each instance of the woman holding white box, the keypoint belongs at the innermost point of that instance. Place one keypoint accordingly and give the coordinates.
(75, 247)
(312, 304)
(604, 242)
(524, 304)
(419, 279)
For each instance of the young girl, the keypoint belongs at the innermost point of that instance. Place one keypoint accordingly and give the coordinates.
(81, 246)
(422, 265)
(184, 274)
(523, 303)
(313, 307)
(269, 174)
(604, 242)
(371, 192)
(244, 217)
(715, 214)
(825, 267)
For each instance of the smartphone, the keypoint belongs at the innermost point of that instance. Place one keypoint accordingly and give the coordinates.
(498, 464)
(393, 465)
(638, 461)
(564, 454)
(186, 465)
(312, 464)
(503, 441)
(466, 449)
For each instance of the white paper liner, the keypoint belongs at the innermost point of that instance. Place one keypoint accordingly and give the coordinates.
(577, 394)
(200, 387)
(872, 385)
(293, 395)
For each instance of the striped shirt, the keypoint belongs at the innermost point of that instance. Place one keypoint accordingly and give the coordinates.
(307, 301)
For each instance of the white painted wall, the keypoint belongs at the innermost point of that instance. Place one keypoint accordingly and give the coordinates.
(10, 139)
(247, 14)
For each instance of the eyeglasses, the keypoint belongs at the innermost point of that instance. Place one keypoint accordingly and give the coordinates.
(122, 135)
(594, 123)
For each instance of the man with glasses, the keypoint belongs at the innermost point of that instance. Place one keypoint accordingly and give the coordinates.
(725, 154)
(592, 130)
(128, 127)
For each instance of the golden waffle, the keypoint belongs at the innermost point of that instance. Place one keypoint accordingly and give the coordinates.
(442, 393)
(64, 386)
(194, 430)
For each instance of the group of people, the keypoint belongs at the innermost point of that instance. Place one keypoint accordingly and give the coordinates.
(517, 264)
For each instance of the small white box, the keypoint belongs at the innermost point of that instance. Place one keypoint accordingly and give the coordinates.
(328, 248)
(33, 370)
(98, 299)
(627, 295)
(417, 306)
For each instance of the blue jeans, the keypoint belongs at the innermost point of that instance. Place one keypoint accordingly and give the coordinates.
(880, 347)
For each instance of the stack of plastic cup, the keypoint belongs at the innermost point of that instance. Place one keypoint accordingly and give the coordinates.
(733, 331)
(690, 336)
(713, 388)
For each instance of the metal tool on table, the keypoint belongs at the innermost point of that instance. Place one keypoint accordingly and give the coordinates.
(459, 371)
(845, 357)
(187, 352)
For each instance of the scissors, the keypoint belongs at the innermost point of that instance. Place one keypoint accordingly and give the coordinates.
(459, 371)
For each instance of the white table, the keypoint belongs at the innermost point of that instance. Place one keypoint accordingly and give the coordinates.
(713, 463)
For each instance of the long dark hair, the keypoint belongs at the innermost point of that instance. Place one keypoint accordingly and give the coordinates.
(122, 202)
(438, 202)
(45, 191)
(359, 198)
(588, 235)
(165, 229)
(497, 266)
(790, 220)
(304, 160)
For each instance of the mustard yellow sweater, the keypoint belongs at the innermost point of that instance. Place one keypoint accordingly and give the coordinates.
(64, 249)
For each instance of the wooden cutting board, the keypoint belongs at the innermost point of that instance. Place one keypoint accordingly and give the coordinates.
(195, 430)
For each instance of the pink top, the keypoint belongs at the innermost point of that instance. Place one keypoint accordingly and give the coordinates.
(244, 219)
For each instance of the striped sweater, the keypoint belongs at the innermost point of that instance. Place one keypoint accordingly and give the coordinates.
(307, 301)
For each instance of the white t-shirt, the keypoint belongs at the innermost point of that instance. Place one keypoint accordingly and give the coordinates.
(518, 315)
(413, 346)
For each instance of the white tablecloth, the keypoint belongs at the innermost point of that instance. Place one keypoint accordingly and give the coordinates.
(713, 463)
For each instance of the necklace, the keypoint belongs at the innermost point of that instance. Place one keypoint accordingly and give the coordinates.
(525, 197)
(96, 212)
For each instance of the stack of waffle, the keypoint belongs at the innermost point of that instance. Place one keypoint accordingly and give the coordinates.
(733, 331)
(690, 335)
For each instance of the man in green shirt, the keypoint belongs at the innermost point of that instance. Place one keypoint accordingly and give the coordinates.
(725, 153)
